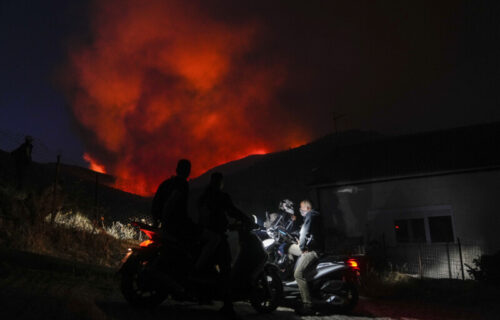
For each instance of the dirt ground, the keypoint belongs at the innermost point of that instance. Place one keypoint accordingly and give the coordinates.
(41, 290)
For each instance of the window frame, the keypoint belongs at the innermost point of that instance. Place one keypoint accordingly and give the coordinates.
(424, 212)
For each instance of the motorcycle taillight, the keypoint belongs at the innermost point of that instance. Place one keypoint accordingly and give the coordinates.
(146, 243)
(352, 263)
(149, 233)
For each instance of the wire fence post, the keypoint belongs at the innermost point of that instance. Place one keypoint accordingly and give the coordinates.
(449, 261)
(461, 258)
(54, 189)
(96, 192)
(420, 269)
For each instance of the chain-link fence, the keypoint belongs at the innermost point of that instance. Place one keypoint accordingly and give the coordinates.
(435, 260)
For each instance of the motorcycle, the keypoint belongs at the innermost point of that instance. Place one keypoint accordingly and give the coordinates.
(333, 280)
(278, 237)
(148, 278)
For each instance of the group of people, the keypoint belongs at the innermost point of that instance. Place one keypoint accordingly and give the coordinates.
(169, 211)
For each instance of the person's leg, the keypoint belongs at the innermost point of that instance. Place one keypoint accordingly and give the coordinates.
(224, 262)
(295, 250)
(304, 261)
(210, 241)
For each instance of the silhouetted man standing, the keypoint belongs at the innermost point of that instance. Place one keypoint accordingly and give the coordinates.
(170, 204)
(214, 206)
(22, 158)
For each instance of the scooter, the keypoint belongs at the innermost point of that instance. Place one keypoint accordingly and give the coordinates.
(333, 283)
(159, 269)
(333, 280)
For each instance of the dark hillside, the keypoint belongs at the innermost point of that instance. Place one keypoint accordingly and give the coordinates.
(262, 181)
(78, 186)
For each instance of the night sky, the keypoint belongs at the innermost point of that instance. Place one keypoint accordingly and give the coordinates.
(136, 85)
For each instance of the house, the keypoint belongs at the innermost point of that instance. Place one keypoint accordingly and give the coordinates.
(430, 200)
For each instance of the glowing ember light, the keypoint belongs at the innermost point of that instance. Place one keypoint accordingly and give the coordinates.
(93, 165)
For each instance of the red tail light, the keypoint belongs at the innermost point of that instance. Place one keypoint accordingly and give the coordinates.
(149, 233)
(146, 243)
(353, 264)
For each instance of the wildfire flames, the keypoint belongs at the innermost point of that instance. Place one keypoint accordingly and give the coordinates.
(93, 165)
(164, 80)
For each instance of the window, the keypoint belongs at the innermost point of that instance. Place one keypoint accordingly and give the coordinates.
(441, 229)
(402, 232)
(410, 230)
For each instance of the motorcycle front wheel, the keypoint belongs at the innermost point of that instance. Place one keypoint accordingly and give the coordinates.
(267, 291)
(137, 286)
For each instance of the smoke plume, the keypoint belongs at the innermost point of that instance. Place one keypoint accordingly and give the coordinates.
(162, 80)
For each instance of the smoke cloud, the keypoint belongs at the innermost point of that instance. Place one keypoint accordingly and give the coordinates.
(213, 81)
(164, 80)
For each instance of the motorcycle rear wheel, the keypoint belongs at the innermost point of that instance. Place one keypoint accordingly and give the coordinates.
(349, 292)
(135, 287)
(267, 291)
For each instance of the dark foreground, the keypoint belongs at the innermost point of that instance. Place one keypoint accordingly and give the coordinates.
(39, 287)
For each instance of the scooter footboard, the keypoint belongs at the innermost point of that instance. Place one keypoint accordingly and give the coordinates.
(271, 267)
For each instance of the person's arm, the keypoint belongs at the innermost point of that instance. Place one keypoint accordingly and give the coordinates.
(236, 213)
(304, 234)
(156, 206)
(316, 238)
(313, 235)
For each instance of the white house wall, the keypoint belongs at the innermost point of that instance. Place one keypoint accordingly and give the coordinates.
(369, 210)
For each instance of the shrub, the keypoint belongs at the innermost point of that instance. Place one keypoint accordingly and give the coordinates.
(486, 268)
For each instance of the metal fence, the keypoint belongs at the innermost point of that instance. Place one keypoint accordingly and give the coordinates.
(440, 260)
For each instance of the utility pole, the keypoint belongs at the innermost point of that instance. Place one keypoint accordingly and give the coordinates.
(54, 189)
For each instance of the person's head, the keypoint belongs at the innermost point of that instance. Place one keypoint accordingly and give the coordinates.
(183, 168)
(286, 206)
(28, 139)
(305, 207)
(217, 180)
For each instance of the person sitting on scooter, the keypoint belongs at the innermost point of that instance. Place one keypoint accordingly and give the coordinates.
(293, 227)
(170, 209)
(169, 206)
(214, 206)
(286, 209)
(311, 246)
